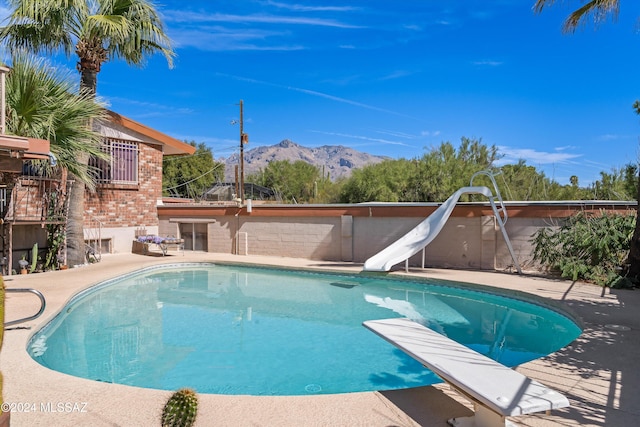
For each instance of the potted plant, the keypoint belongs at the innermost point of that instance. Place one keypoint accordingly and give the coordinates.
(23, 264)
(61, 262)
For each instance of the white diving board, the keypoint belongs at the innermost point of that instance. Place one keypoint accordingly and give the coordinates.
(495, 390)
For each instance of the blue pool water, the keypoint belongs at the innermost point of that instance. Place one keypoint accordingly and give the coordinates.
(259, 331)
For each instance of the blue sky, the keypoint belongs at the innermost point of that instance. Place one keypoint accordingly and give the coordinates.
(394, 79)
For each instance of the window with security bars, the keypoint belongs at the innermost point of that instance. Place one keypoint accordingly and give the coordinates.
(122, 165)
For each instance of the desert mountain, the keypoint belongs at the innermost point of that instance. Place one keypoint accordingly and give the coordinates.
(335, 160)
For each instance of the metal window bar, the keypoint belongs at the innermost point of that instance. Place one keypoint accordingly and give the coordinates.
(122, 165)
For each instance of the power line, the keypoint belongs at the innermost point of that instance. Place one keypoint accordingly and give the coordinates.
(195, 179)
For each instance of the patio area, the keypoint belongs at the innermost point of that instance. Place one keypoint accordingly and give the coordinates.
(597, 372)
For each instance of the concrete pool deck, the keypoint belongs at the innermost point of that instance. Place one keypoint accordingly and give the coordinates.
(598, 372)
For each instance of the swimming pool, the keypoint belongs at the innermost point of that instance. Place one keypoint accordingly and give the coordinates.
(230, 329)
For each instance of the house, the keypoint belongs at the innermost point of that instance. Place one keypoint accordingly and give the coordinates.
(128, 190)
(129, 187)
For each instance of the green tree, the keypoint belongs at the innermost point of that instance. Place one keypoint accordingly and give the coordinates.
(615, 185)
(328, 191)
(387, 181)
(191, 176)
(97, 31)
(520, 181)
(295, 182)
(446, 169)
(432, 178)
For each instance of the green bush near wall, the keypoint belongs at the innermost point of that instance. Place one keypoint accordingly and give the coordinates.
(588, 247)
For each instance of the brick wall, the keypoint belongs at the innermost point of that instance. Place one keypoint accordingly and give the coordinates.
(130, 205)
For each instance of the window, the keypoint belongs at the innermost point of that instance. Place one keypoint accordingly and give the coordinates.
(122, 165)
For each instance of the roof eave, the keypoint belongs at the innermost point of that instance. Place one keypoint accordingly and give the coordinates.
(171, 146)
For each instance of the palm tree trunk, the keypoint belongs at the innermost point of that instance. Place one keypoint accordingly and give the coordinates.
(75, 217)
(88, 80)
(75, 224)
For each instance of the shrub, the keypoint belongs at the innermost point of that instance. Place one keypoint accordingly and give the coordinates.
(588, 247)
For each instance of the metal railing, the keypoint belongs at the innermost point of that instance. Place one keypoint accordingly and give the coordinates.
(37, 293)
(500, 213)
(93, 240)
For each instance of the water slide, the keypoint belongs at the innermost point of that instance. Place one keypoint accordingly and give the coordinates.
(424, 233)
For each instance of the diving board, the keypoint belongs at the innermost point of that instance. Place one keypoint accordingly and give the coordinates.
(495, 390)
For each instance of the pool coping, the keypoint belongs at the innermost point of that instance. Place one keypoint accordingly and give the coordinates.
(592, 375)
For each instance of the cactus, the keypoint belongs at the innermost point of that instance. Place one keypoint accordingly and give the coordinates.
(181, 409)
(34, 257)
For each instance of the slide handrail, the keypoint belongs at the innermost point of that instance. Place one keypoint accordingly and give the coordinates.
(502, 216)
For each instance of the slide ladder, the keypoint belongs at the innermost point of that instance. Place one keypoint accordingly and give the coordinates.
(425, 232)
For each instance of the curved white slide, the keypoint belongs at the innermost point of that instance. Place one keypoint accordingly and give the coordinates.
(423, 234)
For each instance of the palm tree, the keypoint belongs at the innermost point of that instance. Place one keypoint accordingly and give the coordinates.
(599, 9)
(44, 104)
(98, 31)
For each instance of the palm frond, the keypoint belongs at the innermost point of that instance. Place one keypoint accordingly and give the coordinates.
(126, 29)
(596, 9)
(42, 103)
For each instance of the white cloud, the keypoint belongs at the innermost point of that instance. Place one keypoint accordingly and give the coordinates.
(189, 17)
(315, 93)
(396, 134)
(304, 8)
(396, 75)
(430, 133)
(535, 157)
(150, 109)
(217, 39)
(488, 63)
(363, 138)
(614, 137)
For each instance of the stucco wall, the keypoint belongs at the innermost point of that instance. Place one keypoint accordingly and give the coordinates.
(459, 244)
(312, 238)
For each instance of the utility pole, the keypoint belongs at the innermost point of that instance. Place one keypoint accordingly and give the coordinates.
(244, 139)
